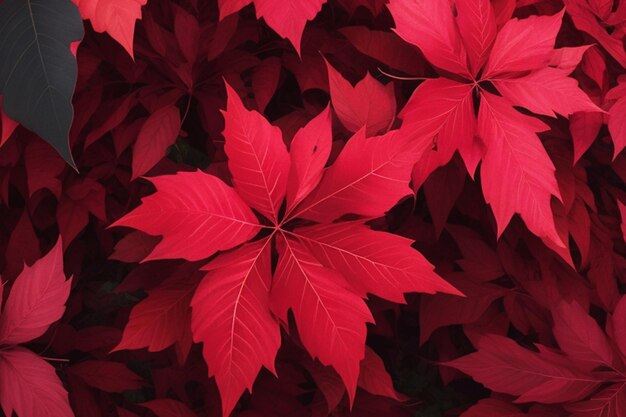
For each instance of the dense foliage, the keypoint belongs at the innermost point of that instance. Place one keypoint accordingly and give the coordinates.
(313, 207)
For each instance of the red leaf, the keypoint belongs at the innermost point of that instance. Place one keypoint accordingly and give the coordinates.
(546, 91)
(374, 378)
(445, 310)
(257, 157)
(587, 21)
(288, 19)
(523, 45)
(157, 134)
(617, 125)
(368, 178)
(328, 382)
(429, 25)
(43, 168)
(619, 325)
(116, 17)
(187, 32)
(477, 26)
(197, 215)
(161, 319)
(30, 386)
(373, 262)
(513, 147)
(325, 309)
(584, 128)
(119, 111)
(232, 305)
(369, 103)
(310, 149)
(8, 125)
(441, 112)
(37, 299)
(107, 376)
(442, 189)
(610, 402)
(503, 366)
(490, 407)
(567, 59)
(165, 407)
(580, 336)
(265, 81)
(134, 247)
(385, 47)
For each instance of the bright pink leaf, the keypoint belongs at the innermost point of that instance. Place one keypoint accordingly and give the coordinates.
(514, 148)
(368, 178)
(116, 17)
(441, 111)
(369, 103)
(373, 262)
(37, 299)
(477, 26)
(330, 317)
(523, 45)
(310, 149)
(30, 386)
(257, 157)
(429, 25)
(197, 215)
(546, 91)
(288, 19)
(231, 318)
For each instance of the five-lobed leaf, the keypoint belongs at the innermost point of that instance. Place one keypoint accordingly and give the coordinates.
(321, 270)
